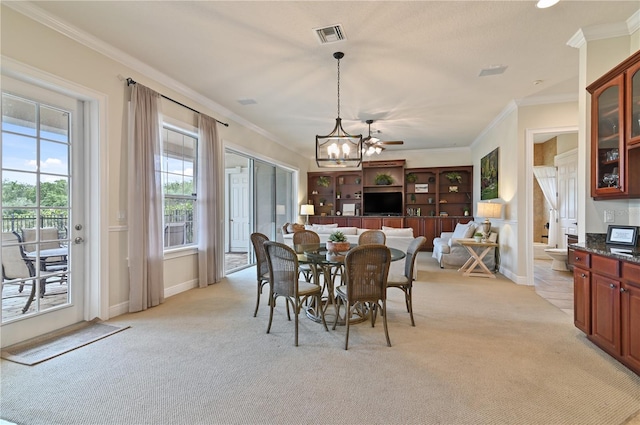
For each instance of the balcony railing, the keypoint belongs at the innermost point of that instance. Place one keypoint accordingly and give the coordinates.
(18, 222)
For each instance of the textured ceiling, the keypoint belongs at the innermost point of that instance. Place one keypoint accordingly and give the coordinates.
(411, 66)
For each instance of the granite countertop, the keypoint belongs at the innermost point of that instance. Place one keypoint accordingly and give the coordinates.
(598, 246)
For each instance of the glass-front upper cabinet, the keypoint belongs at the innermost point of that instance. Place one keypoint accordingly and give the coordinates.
(607, 168)
(633, 105)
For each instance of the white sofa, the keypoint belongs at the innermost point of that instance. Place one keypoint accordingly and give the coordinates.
(450, 254)
(396, 238)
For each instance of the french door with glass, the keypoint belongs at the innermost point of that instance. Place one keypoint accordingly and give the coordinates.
(42, 254)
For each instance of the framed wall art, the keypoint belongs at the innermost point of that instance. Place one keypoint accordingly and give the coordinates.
(489, 175)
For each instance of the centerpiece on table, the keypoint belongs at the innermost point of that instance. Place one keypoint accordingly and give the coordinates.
(337, 242)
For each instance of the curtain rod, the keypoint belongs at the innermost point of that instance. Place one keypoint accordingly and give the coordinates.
(131, 81)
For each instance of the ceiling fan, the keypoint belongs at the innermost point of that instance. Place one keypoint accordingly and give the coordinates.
(371, 145)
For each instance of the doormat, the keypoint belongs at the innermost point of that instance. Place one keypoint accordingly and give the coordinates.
(45, 347)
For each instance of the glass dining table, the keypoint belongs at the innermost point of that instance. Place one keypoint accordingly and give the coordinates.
(326, 268)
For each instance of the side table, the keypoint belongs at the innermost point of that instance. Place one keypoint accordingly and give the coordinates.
(477, 250)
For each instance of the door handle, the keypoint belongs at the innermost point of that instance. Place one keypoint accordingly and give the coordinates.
(78, 240)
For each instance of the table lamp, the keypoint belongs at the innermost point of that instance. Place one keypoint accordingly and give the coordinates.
(306, 209)
(488, 210)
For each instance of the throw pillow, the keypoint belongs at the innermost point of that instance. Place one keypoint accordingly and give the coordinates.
(463, 231)
(390, 231)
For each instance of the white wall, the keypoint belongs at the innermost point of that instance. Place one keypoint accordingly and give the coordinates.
(39, 46)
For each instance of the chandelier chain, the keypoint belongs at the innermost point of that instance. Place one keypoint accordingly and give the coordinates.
(338, 88)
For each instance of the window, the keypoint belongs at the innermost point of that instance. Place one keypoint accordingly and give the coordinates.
(178, 168)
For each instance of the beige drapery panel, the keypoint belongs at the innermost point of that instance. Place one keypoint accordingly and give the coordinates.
(209, 201)
(146, 278)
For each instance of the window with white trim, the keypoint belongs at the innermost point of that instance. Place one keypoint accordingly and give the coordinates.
(179, 168)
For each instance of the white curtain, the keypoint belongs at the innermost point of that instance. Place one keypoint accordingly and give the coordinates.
(546, 176)
(146, 278)
(209, 202)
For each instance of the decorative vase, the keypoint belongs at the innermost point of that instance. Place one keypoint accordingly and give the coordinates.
(478, 238)
(338, 246)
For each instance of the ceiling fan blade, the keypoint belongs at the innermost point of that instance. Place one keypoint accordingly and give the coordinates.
(391, 142)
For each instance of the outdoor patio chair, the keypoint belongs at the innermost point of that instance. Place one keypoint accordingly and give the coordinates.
(49, 239)
(17, 269)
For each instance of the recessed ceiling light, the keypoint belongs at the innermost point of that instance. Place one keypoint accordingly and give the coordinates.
(492, 70)
(543, 4)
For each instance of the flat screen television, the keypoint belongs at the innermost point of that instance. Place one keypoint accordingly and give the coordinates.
(383, 203)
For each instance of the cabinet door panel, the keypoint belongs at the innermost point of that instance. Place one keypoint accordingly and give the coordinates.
(397, 222)
(631, 325)
(608, 149)
(582, 299)
(371, 223)
(417, 224)
(633, 105)
(605, 309)
(606, 266)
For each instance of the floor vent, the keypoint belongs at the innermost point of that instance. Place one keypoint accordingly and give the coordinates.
(331, 34)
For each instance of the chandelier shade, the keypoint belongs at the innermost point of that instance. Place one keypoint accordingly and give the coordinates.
(339, 148)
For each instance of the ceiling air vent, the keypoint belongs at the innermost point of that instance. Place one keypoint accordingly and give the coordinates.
(331, 34)
(493, 70)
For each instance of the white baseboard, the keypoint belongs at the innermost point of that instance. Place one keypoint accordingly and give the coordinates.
(123, 308)
(520, 280)
(181, 287)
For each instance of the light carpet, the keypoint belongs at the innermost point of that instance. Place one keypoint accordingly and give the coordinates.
(46, 347)
(484, 351)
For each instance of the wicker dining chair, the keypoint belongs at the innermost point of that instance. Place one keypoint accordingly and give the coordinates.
(365, 274)
(262, 268)
(284, 282)
(306, 237)
(372, 236)
(405, 282)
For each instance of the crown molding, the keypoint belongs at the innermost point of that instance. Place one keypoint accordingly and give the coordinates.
(511, 106)
(600, 32)
(547, 100)
(33, 12)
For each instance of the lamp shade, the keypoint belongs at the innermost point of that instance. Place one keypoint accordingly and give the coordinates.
(489, 210)
(306, 209)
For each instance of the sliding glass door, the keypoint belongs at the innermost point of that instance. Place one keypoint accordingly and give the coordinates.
(259, 198)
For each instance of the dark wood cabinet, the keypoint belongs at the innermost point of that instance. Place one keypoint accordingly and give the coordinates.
(582, 299)
(434, 199)
(607, 305)
(605, 313)
(571, 239)
(630, 315)
(615, 132)
(439, 191)
(633, 105)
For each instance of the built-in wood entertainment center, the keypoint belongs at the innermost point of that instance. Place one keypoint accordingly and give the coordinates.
(385, 193)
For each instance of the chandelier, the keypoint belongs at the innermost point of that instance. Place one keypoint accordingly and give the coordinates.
(339, 148)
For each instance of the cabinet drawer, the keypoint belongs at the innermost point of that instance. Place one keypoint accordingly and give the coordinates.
(606, 266)
(631, 272)
(582, 259)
